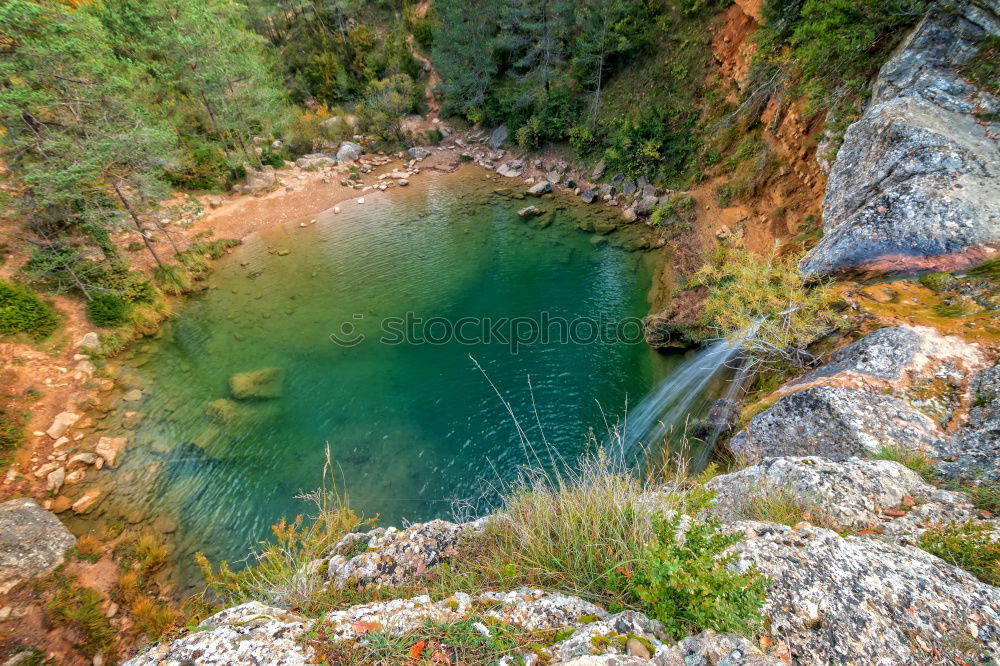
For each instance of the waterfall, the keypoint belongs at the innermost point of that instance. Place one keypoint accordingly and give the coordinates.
(665, 410)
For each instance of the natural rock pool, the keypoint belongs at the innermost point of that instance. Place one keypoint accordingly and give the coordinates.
(410, 426)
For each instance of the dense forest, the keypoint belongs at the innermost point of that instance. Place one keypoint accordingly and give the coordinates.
(108, 106)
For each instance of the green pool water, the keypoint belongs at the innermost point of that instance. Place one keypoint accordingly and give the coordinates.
(411, 427)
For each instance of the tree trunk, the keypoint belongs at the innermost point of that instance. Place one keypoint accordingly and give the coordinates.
(138, 224)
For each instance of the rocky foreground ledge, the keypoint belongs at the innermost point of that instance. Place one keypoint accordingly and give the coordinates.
(847, 586)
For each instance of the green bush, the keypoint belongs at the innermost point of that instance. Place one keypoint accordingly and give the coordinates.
(205, 168)
(11, 428)
(173, 279)
(983, 69)
(935, 281)
(679, 208)
(107, 310)
(970, 546)
(686, 582)
(21, 311)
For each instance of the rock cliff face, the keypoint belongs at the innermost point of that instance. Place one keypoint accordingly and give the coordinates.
(916, 184)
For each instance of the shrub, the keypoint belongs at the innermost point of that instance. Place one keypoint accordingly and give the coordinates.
(986, 497)
(205, 168)
(21, 311)
(679, 208)
(685, 580)
(107, 310)
(11, 427)
(935, 281)
(767, 296)
(970, 546)
(434, 136)
(152, 617)
(172, 278)
(81, 608)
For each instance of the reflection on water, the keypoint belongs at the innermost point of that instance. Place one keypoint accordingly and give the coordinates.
(411, 427)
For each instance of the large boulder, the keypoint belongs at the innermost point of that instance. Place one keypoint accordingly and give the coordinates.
(497, 137)
(349, 152)
(417, 153)
(264, 383)
(858, 601)
(251, 633)
(511, 168)
(838, 423)
(32, 542)
(853, 494)
(916, 184)
(316, 161)
(259, 180)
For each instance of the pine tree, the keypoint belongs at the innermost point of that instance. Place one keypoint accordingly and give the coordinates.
(74, 141)
(464, 42)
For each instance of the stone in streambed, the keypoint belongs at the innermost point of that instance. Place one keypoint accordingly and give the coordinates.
(529, 211)
(223, 411)
(109, 448)
(540, 188)
(61, 424)
(265, 383)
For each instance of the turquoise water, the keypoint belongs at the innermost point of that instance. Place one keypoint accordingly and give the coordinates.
(411, 427)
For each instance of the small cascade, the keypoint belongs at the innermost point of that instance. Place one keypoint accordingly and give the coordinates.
(663, 412)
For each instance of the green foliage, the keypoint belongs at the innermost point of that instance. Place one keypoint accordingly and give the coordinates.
(910, 458)
(107, 310)
(746, 290)
(971, 546)
(685, 580)
(81, 608)
(386, 102)
(936, 281)
(983, 69)
(21, 311)
(836, 46)
(172, 278)
(205, 168)
(986, 497)
(679, 209)
(12, 425)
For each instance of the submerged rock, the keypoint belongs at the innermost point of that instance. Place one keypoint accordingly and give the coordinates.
(264, 383)
(251, 633)
(837, 423)
(853, 494)
(529, 211)
(916, 184)
(32, 542)
(860, 601)
(223, 411)
(109, 448)
(540, 188)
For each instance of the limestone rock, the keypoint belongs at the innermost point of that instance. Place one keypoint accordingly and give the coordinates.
(259, 180)
(61, 424)
(540, 188)
(534, 610)
(837, 423)
(498, 137)
(895, 358)
(109, 448)
(511, 169)
(585, 640)
(55, 479)
(916, 184)
(847, 495)
(860, 601)
(590, 196)
(314, 161)
(975, 455)
(390, 556)
(645, 206)
(349, 152)
(87, 501)
(417, 153)
(251, 633)
(32, 542)
(264, 383)
(713, 649)
(529, 211)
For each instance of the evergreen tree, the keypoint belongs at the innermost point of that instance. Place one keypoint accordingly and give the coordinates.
(74, 142)
(464, 42)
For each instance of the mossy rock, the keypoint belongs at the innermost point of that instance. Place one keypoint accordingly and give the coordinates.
(266, 383)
